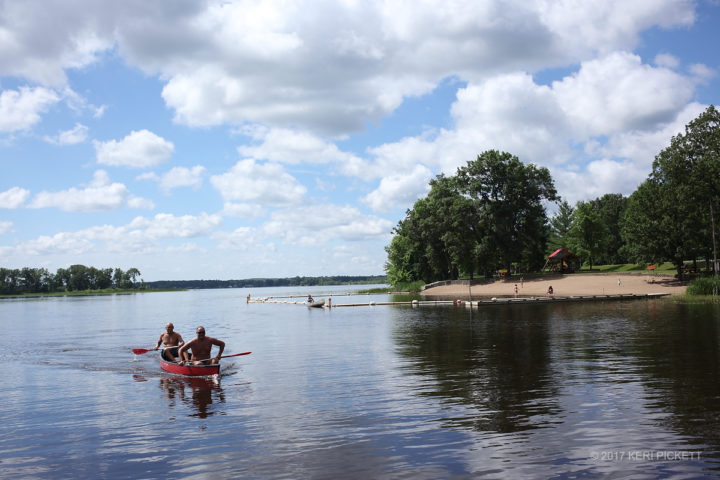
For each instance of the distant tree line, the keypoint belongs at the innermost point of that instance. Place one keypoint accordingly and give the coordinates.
(491, 215)
(268, 282)
(74, 278)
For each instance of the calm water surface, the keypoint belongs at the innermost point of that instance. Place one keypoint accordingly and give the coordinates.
(617, 389)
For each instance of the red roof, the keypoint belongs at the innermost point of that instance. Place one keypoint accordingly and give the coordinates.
(561, 253)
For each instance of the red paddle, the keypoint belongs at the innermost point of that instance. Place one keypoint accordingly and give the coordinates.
(142, 351)
(236, 354)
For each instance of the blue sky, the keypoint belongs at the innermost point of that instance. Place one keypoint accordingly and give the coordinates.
(246, 139)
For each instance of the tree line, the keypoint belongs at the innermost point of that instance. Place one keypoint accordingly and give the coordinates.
(74, 278)
(268, 282)
(492, 215)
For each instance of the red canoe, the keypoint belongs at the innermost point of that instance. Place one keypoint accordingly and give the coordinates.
(190, 370)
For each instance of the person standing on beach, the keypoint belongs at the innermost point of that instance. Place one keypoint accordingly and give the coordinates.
(550, 291)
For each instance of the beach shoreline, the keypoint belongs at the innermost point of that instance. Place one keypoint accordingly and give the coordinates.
(564, 285)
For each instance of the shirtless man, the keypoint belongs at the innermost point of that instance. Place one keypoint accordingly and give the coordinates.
(201, 346)
(171, 341)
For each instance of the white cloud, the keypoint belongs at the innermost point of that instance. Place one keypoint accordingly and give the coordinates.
(141, 235)
(330, 67)
(5, 227)
(177, 177)
(56, 39)
(667, 61)
(282, 145)
(613, 115)
(14, 197)
(580, 28)
(139, 149)
(65, 242)
(242, 210)
(182, 177)
(313, 225)
(242, 238)
(400, 189)
(264, 184)
(618, 93)
(21, 109)
(165, 225)
(100, 194)
(77, 134)
(325, 66)
(702, 73)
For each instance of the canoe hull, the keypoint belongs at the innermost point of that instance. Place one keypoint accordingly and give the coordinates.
(318, 304)
(190, 370)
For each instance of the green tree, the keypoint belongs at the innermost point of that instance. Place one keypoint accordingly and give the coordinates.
(672, 216)
(587, 233)
(690, 167)
(118, 277)
(79, 278)
(508, 197)
(131, 276)
(560, 225)
(610, 207)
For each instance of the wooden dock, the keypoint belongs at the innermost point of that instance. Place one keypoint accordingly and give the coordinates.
(475, 303)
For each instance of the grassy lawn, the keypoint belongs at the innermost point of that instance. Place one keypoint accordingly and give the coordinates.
(666, 268)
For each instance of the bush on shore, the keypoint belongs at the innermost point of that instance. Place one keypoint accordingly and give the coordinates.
(704, 286)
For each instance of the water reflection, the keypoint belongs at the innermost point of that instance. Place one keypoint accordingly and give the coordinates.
(622, 371)
(203, 394)
(501, 368)
(680, 363)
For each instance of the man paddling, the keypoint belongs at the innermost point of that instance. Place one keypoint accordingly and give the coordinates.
(201, 347)
(171, 341)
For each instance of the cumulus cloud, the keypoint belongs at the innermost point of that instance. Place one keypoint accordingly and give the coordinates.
(21, 109)
(242, 210)
(13, 198)
(77, 134)
(177, 177)
(323, 66)
(400, 189)
(282, 145)
(165, 225)
(99, 194)
(261, 183)
(619, 93)
(5, 227)
(139, 149)
(138, 236)
(241, 238)
(295, 227)
(65, 242)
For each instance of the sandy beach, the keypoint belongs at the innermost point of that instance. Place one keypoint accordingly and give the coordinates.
(565, 285)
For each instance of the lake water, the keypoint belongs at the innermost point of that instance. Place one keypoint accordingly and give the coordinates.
(615, 389)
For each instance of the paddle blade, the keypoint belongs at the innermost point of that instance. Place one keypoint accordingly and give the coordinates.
(236, 354)
(140, 351)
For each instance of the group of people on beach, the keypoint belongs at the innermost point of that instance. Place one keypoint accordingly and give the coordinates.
(550, 292)
(195, 352)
